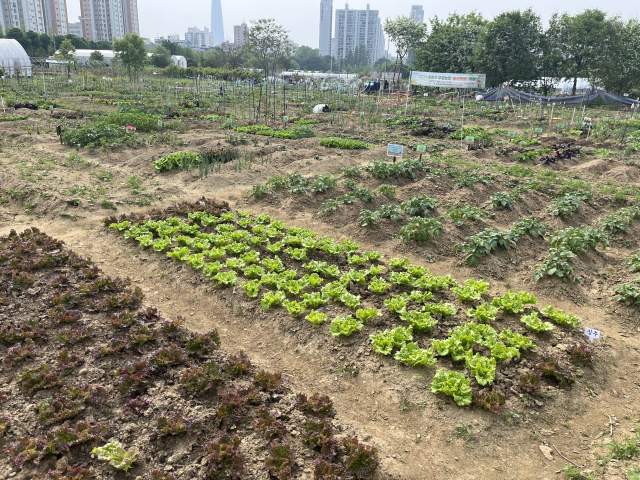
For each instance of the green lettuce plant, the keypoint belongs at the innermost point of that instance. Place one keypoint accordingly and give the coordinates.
(367, 314)
(252, 288)
(472, 290)
(116, 455)
(226, 279)
(384, 342)
(516, 340)
(560, 317)
(316, 299)
(481, 367)
(317, 318)
(453, 384)
(413, 355)
(378, 285)
(419, 321)
(485, 313)
(270, 299)
(344, 327)
(534, 324)
(294, 308)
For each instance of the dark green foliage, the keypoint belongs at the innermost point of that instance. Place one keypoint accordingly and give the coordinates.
(232, 405)
(202, 344)
(419, 206)
(200, 379)
(317, 404)
(270, 382)
(237, 365)
(421, 230)
(269, 423)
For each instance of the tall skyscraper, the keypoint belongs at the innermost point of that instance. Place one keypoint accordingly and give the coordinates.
(42, 16)
(357, 28)
(217, 26)
(240, 34)
(108, 20)
(326, 26)
(417, 13)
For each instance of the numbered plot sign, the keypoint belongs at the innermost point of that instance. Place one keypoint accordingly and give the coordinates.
(421, 148)
(512, 134)
(617, 117)
(229, 120)
(561, 125)
(628, 116)
(395, 150)
(160, 124)
(538, 130)
(217, 104)
(50, 107)
(362, 114)
(606, 119)
(426, 94)
(469, 139)
(399, 112)
(426, 110)
(285, 118)
(330, 117)
(592, 334)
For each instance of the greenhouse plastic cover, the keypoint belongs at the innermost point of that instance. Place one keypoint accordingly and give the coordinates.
(13, 56)
(516, 96)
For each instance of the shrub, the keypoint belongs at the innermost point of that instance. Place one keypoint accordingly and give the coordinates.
(116, 455)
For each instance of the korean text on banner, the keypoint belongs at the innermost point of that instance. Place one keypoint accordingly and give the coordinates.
(455, 80)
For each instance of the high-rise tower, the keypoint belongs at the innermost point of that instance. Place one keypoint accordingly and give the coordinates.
(217, 27)
(326, 26)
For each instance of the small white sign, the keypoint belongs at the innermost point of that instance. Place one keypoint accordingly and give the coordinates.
(592, 334)
(426, 94)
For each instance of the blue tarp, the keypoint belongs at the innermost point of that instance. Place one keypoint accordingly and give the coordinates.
(516, 96)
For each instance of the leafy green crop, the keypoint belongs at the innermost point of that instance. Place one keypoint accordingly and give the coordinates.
(419, 321)
(485, 313)
(481, 367)
(560, 317)
(453, 384)
(365, 315)
(516, 340)
(473, 290)
(385, 342)
(317, 318)
(413, 355)
(179, 253)
(483, 243)
(342, 143)
(116, 455)
(398, 262)
(534, 324)
(421, 230)
(461, 212)
(226, 279)
(182, 160)
(344, 327)
(579, 239)
(444, 309)
(558, 264)
(514, 302)
(501, 200)
(315, 299)
(378, 285)
(252, 288)
(294, 308)
(567, 205)
(270, 299)
(629, 293)
(419, 206)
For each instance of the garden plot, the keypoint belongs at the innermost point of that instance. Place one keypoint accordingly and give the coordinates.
(91, 378)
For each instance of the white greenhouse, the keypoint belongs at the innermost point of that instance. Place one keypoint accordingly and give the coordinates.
(13, 58)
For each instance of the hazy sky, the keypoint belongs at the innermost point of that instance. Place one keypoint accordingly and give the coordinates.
(301, 17)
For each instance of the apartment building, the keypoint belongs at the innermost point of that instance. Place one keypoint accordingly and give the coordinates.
(355, 28)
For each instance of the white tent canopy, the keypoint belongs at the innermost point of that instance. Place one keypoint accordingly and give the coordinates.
(13, 58)
(82, 55)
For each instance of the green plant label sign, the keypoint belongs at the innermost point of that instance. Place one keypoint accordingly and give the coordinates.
(426, 110)
(628, 116)
(512, 134)
(362, 114)
(160, 123)
(448, 109)
(561, 125)
(421, 148)
(229, 120)
(50, 107)
(395, 150)
(217, 104)
(399, 112)
(538, 130)
(606, 119)
(617, 117)
(469, 139)
(330, 117)
(285, 118)
(264, 84)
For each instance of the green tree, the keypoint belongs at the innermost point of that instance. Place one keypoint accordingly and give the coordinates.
(509, 49)
(550, 69)
(309, 59)
(581, 40)
(269, 43)
(449, 47)
(161, 57)
(130, 50)
(20, 37)
(66, 55)
(213, 58)
(233, 56)
(617, 68)
(96, 59)
(406, 34)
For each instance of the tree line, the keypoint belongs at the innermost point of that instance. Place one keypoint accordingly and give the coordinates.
(515, 47)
